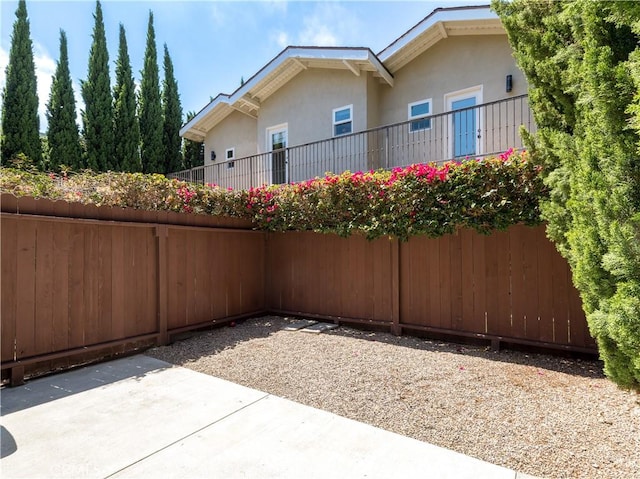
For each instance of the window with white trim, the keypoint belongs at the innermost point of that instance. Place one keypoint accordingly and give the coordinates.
(343, 120)
(420, 111)
(230, 155)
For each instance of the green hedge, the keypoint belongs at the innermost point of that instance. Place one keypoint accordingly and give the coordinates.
(423, 199)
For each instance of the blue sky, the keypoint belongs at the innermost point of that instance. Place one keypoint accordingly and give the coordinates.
(213, 44)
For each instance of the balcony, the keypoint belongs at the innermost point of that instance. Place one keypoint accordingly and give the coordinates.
(477, 131)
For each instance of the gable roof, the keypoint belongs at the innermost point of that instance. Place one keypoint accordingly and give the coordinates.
(439, 24)
(247, 99)
(292, 60)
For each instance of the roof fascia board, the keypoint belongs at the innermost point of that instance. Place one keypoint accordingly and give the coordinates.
(438, 16)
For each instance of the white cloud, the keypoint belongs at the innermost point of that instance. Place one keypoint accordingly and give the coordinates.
(4, 61)
(281, 39)
(329, 24)
(218, 17)
(45, 69)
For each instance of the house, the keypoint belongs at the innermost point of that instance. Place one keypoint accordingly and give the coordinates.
(447, 88)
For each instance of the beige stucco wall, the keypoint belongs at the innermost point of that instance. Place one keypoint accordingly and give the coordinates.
(306, 105)
(454, 63)
(236, 131)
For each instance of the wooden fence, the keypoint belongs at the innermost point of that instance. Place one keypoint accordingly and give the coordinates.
(77, 281)
(510, 287)
(92, 279)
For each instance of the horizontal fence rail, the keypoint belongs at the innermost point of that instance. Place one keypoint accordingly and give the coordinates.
(478, 131)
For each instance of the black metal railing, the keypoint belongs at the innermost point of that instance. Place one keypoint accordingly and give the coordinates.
(481, 130)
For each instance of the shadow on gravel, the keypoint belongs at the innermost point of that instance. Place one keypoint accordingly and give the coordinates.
(195, 345)
(564, 362)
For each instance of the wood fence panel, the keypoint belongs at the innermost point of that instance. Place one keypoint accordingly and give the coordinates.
(468, 287)
(118, 290)
(503, 292)
(432, 314)
(44, 278)
(446, 296)
(546, 258)
(518, 284)
(8, 291)
(479, 320)
(455, 266)
(25, 286)
(530, 259)
(77, 272)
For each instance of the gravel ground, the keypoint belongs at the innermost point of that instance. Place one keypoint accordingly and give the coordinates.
(542, 415)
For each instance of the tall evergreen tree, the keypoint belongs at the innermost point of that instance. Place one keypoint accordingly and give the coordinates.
(150, 106)
(192, 151)
(582, 60)
(62, 134)
(96, 92)
(172, 117)
(20, 121)
(125, 120)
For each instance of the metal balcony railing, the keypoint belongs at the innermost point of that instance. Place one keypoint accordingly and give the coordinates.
(481, 130)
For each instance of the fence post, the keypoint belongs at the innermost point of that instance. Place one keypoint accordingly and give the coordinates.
(395, 287)
(162, 232)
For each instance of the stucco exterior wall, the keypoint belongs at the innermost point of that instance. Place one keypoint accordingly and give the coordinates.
(235, 131)
(453, 64)
(306, 105)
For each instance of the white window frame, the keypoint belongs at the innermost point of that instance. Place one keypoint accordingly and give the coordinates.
(229, 159)
(342, 122)
(411, 117)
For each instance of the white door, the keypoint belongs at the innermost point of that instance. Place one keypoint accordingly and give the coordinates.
(465, 126)
(277, 144)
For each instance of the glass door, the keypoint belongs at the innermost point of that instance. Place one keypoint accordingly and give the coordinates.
(464, 123)
(277, 138)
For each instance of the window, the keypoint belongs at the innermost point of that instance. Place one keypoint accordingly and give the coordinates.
(420, 110)
(342, 120)
(230, 155)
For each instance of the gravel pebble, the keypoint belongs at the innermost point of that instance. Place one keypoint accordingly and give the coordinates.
(542, 415)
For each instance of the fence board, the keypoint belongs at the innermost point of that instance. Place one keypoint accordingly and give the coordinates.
(546, 253)
(530, 261)
(446, 297)
(25, 285)
(8, 291)
(44, 326)
(466, 244)
(503, 291)
(76, 286)
(455, 266)
(518, 284)
(118, 311)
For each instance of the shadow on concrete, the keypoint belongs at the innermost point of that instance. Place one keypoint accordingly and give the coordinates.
(7, 443)
(57, 386)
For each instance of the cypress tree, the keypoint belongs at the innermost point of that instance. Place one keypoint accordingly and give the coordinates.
(62, 134)
(96, 92)
(192, 150)
(582, 60)
(126, 127)
(150, 106)
(172, 117)
(20, 121)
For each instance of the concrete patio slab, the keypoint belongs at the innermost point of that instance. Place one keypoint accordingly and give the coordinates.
(140, 417)
(297, 325)
(319, 328)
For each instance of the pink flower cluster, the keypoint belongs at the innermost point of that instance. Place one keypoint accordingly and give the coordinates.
(186, 195)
